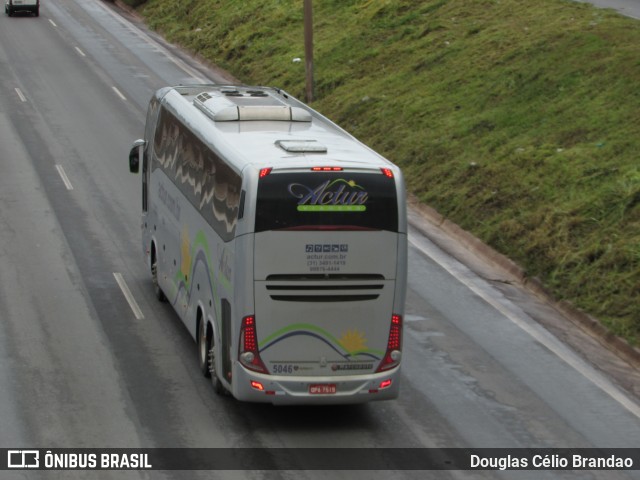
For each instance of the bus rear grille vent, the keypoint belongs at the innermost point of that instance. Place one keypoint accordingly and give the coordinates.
(324, 288)
(305, 277)
(323, 298)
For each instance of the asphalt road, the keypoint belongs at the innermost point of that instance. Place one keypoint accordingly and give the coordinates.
(80, 368)
(630, 8)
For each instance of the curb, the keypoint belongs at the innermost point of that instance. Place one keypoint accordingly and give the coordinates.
(583, 320)
(230, 79)
(123, 6)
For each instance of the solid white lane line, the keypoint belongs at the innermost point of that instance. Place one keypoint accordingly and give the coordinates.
(119, 93)
(137, 312)
(64, 177)
(21, 95)
(536, 331)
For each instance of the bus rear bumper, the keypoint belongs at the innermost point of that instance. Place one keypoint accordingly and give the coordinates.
(288, 390)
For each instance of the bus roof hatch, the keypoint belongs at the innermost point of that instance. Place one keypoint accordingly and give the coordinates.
(301, 146)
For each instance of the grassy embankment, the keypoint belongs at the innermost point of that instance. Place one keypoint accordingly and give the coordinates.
(520, 121)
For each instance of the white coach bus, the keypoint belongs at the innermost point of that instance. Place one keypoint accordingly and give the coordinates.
(279, 239)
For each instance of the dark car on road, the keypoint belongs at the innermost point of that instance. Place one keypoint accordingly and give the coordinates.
(13, 6)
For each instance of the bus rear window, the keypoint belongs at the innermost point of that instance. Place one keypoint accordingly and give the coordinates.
(326, 201)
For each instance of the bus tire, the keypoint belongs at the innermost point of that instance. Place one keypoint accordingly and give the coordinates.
(218, 387)
(156, 286)
(204, 345)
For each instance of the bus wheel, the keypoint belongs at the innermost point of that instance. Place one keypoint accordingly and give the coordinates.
(204, 344)
(218, 387)
(156, 286)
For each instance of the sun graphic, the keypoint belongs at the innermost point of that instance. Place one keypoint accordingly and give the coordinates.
(185, 264)
(353, 341)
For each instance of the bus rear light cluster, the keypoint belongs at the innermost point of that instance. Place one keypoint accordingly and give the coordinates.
(248, 350)
(394, 345)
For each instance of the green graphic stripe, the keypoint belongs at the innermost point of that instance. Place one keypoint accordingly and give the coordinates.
(332, 208)
(314, 328)
(200, 242)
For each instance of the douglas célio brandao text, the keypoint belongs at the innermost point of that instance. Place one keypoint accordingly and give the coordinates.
(551, 462)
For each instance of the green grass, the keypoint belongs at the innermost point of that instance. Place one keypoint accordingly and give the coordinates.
(520, 121)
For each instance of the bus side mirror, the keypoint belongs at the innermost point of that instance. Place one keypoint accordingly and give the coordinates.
(134, 156)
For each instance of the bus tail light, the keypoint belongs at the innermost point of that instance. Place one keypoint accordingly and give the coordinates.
(257, 385)
(387, 172)
(264, 172)
(394, 345)
(385, 384)
(248, 350)
(260, 387)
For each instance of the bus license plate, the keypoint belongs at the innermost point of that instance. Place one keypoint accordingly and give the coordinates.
(322, 389)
